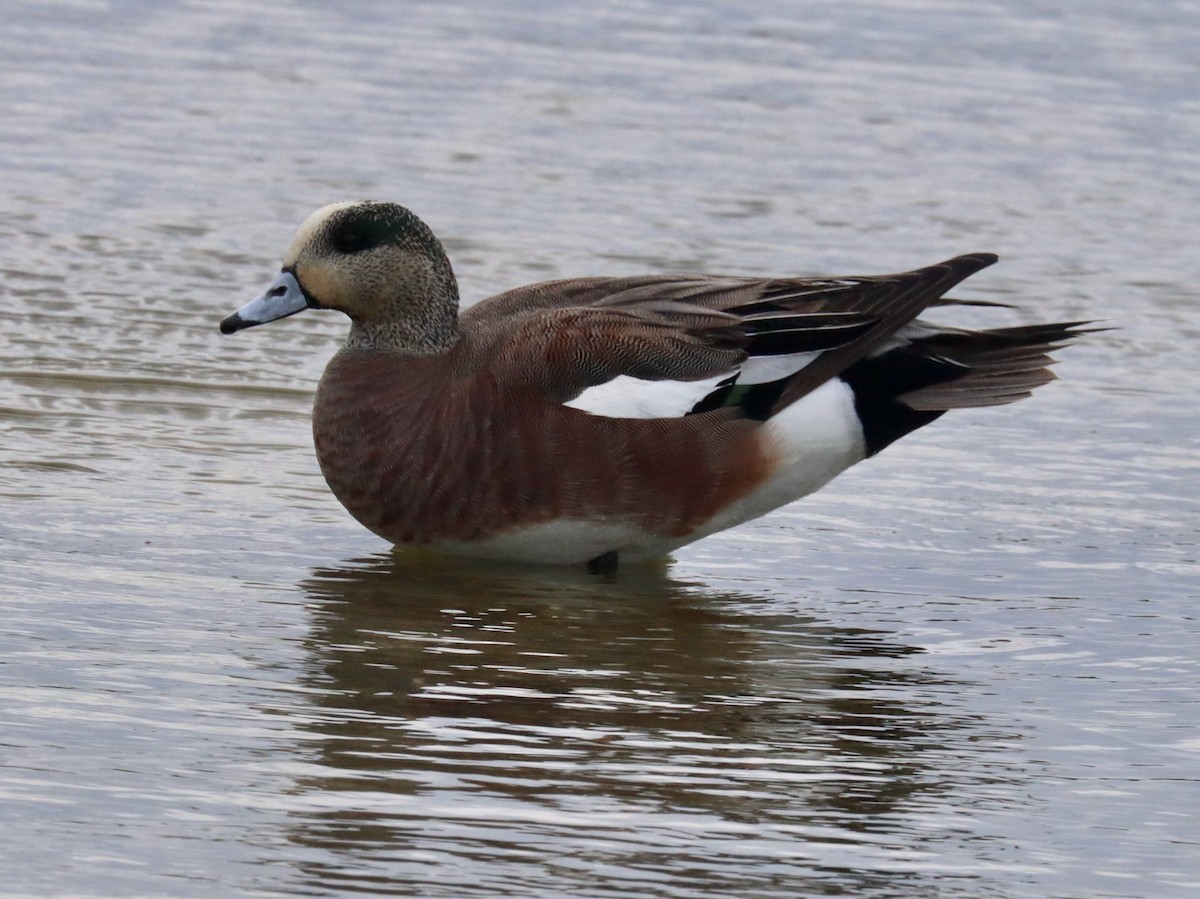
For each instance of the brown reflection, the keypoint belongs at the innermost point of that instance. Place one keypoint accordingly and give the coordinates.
(444, 685)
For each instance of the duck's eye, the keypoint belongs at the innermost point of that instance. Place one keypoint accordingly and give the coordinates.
(356, 236)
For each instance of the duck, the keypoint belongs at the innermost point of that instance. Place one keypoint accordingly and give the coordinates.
(597, 420)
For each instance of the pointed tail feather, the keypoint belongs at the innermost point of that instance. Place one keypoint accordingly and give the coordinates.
(995, 367)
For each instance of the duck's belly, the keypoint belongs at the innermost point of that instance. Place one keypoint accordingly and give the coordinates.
(807, 445)
(564, 542)
(561, 486)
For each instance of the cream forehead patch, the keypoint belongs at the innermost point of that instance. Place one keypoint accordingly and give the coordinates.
(310, 228)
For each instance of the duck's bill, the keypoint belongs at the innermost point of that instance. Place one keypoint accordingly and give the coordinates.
(283, 298)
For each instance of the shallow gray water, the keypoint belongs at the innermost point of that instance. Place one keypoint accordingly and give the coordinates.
(967, 668)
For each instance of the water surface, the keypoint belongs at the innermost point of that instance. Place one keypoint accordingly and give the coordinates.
(967, 668)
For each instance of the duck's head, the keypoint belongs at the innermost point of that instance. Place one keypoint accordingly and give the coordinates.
(376, 262)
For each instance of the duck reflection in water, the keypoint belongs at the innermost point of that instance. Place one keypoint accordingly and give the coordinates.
(470, 712)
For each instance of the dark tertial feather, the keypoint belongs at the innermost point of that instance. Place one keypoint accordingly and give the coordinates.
(895, 300)
(781, 333)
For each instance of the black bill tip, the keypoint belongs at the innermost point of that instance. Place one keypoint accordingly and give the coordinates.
(234, 323)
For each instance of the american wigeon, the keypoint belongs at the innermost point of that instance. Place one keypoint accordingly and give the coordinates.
(592, 419)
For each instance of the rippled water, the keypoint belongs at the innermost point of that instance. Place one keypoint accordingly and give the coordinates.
(968, 668)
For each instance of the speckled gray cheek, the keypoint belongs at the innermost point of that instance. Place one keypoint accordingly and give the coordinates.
(418, 310)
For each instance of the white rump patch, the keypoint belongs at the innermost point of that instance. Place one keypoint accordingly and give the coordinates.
(814, 440)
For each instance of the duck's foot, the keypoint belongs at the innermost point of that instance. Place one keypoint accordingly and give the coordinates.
(605, 563)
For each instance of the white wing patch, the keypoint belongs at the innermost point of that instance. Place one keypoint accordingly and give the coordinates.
(626, 397)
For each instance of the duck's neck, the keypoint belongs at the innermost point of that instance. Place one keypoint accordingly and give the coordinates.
(396, 337)
(428, 330)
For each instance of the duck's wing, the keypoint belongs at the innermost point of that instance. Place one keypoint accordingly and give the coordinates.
(714, 332)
